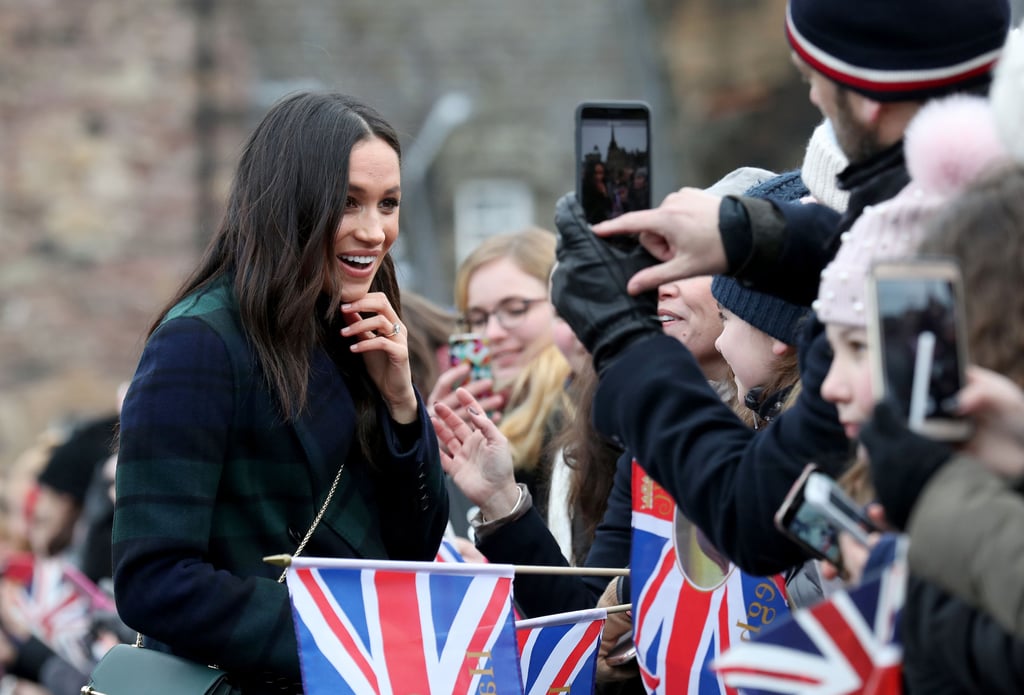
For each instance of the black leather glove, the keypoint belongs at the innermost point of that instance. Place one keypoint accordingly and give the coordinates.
(901, 461)
(588, 286)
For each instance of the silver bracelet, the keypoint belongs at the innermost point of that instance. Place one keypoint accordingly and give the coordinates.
(515, 507)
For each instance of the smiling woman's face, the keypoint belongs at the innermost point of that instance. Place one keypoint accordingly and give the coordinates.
(512, 346)
(369, 226)
(689, 313)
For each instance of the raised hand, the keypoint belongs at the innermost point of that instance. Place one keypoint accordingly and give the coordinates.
(588, 286)
(480, 389)
(476, 456)
(682, 233)
(996, 405)
(381, 340)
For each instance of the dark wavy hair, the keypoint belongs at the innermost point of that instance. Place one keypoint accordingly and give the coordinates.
(277, 242)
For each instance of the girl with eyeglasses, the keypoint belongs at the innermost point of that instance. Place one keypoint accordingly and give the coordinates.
(501, 292)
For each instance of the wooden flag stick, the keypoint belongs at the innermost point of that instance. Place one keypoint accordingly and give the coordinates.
(576, 571)
(620, 608)
(285, 560)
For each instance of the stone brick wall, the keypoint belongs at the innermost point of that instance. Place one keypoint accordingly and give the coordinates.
(97, 182)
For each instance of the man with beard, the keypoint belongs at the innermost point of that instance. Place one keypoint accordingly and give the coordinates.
(870, 65)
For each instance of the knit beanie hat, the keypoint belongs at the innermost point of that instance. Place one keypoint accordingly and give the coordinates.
(740, 180)
(900, 51)
(948, 144)
(73, 462)
(776, 317)
(786, 187)
(822, 163)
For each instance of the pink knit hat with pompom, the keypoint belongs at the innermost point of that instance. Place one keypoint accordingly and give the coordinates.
(947, 145)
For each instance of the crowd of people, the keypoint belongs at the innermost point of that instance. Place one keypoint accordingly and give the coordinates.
(291, 398)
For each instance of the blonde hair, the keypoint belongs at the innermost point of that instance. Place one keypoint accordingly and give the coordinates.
(532, 250)
(537, 394)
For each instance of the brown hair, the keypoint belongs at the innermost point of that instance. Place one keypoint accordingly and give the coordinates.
(983, 229)
(429, 326)
(590, 456)
(276, 243)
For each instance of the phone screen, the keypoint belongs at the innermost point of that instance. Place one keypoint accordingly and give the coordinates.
(811, 529)
(473, 349)
(613, 159)
(918, 323)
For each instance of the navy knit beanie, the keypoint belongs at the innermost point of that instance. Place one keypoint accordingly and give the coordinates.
(787, 187)
(776, 317)
(900, 50)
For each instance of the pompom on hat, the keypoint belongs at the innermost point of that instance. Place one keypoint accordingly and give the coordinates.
(1007, 95)
(908, 50)
(948, 145)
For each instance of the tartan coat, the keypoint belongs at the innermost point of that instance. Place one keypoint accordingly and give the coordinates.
(210, 479)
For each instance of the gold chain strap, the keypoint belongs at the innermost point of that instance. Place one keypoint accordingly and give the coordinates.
(316, 520)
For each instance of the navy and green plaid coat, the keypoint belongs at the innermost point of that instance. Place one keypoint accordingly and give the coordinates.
(210, 479)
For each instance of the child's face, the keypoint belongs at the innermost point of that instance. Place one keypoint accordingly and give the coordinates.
(751, 353)
(848, 382)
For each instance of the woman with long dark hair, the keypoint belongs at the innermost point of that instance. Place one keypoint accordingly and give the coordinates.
(276, 384)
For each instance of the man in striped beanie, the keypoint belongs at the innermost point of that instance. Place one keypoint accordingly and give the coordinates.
(872, 63)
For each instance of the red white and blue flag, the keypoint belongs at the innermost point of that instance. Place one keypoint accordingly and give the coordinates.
(689, 604)
(56, 602)
(844, 645)
(447, 552)
(381, 627)
(558, 653)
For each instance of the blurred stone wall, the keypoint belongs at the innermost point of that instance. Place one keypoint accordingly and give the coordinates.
(97, 183)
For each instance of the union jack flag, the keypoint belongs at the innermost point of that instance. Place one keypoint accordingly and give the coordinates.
(845, 645)
(447, 552)
(558, 653)
(380, 627)
(688, 610)
(57, 603)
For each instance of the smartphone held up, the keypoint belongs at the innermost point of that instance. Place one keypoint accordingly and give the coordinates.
(613, 158)
(918, 343)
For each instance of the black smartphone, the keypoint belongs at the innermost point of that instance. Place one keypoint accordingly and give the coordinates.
(815, 511)
(918, 344)
(613, 158)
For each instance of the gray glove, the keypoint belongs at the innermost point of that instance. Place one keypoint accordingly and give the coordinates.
(588, 286)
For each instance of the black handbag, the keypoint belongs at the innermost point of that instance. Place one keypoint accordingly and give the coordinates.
(126, 667)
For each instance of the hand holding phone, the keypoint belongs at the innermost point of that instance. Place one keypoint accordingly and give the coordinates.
(471, 349)
(815, 511)
(623, 651)
(824, 494)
